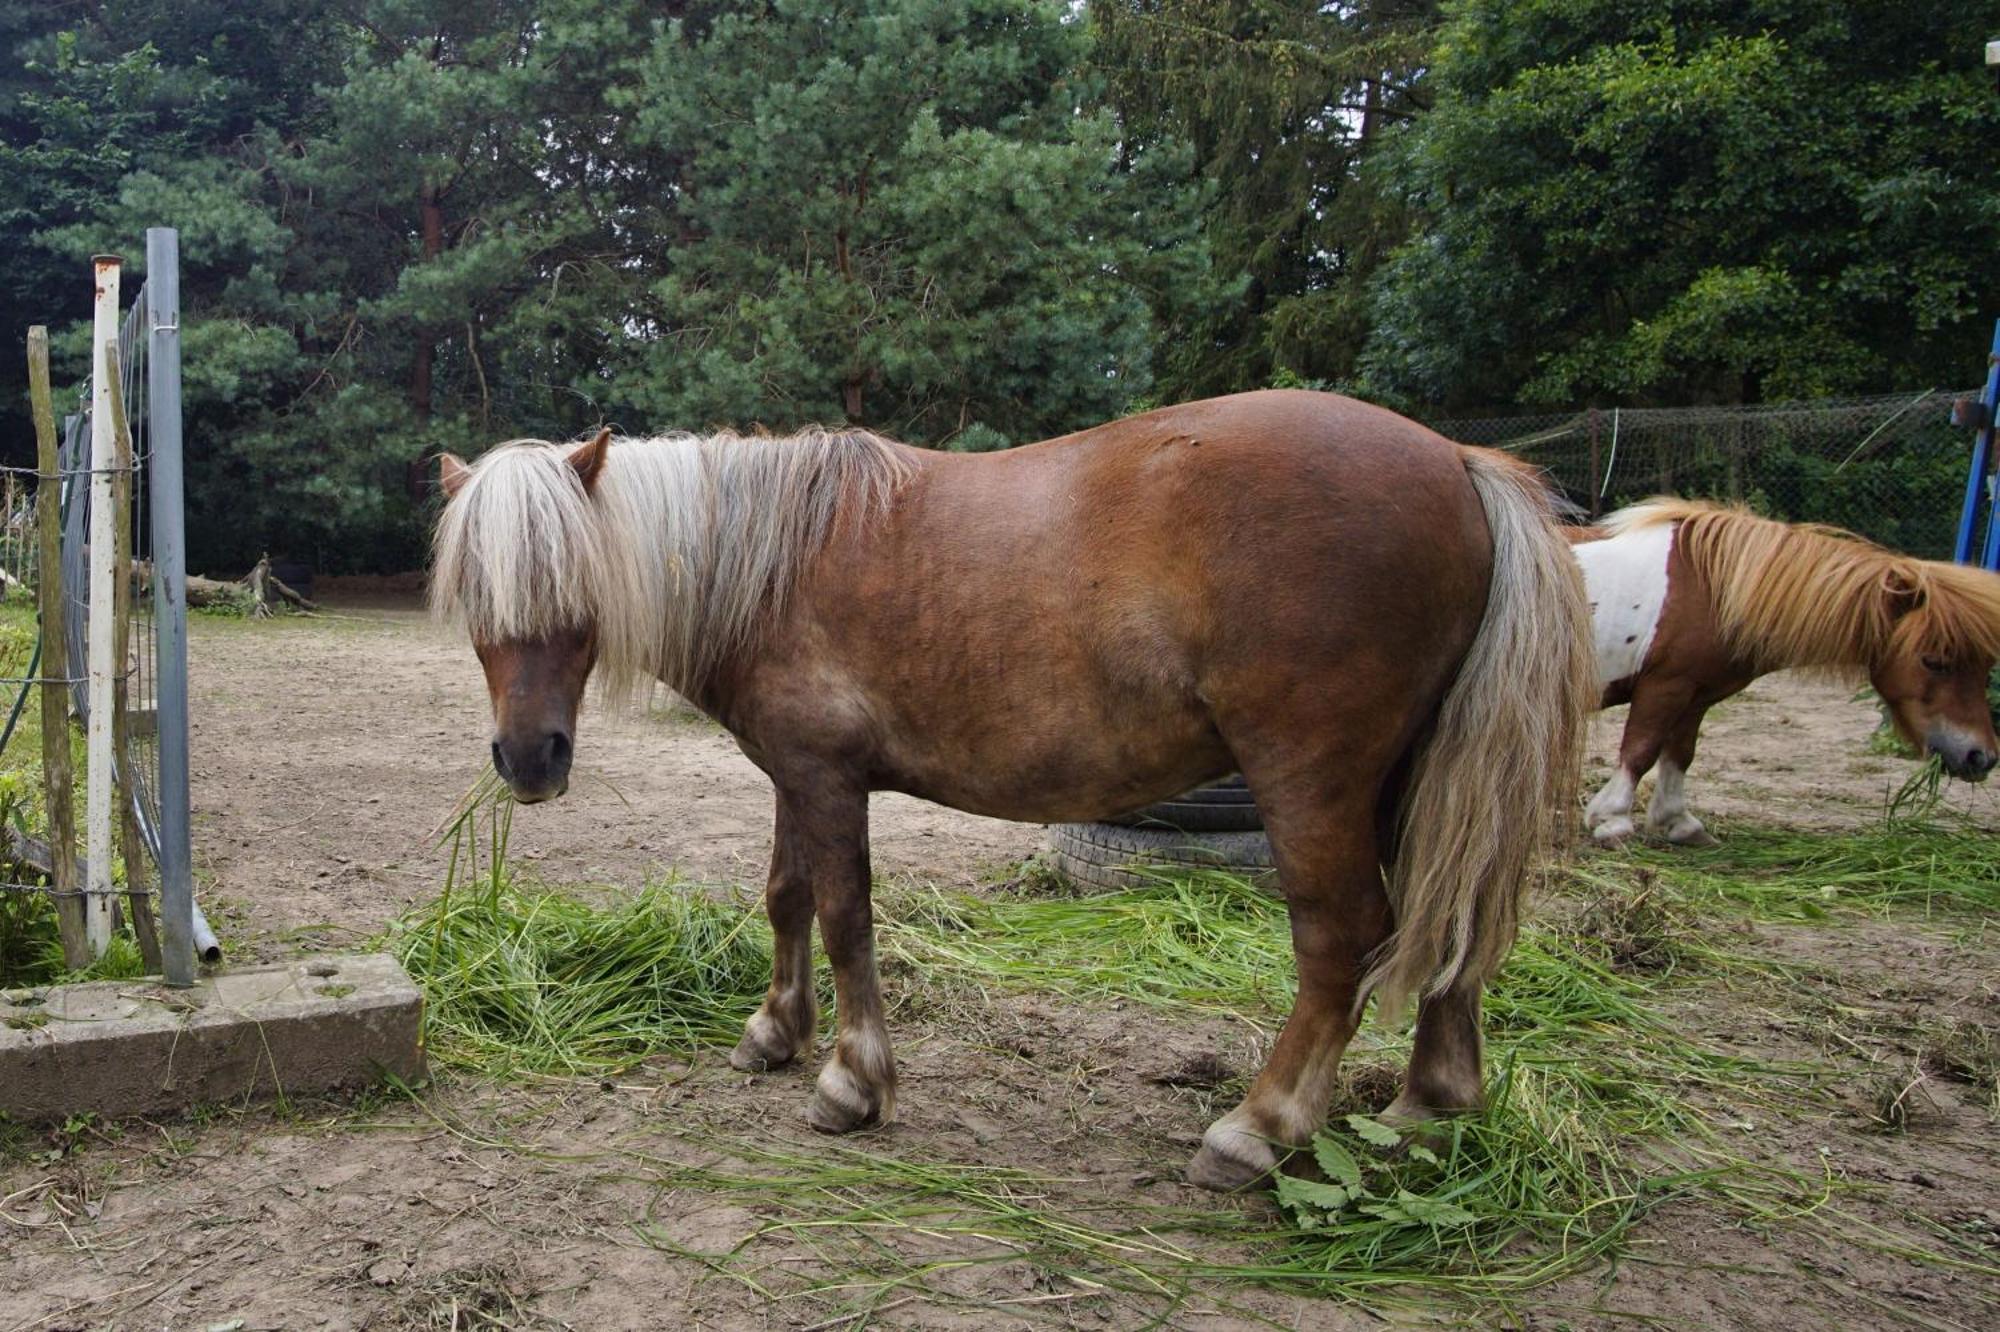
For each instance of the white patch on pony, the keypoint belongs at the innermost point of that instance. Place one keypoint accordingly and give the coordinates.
(1626, 576)
(1668, 814)
(1610, 810)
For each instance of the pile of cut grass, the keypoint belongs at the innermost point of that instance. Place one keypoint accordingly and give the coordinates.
(530, 981)
(519, 979)
(1778, 874)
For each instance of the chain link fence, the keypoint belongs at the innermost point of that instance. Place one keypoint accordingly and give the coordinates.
(1890, 467)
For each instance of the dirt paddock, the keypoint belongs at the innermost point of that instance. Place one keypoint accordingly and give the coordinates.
(327, 752)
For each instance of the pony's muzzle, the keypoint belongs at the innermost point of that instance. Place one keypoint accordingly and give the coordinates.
(1966, 759)
(536, 769)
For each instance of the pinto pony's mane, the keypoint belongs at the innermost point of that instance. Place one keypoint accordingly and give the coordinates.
(683, 549)
(1807, 595)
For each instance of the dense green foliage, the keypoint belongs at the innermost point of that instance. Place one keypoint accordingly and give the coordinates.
(411, 225)
(1693, 201)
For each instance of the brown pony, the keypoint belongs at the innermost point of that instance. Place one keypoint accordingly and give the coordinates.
(1691, 602)
(1382, 630)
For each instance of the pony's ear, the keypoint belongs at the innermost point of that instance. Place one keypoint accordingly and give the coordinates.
(1901, 592)
(452, 474)
(589, 460)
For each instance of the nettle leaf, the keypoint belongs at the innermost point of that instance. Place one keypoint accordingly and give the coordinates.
(1419, 1152)
(1336, 1161)
(1374, 1131)
(1306, 1196)
(1431, 1211)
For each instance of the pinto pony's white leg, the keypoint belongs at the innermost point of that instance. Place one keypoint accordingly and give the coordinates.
(1609, 813)
(1667, 815)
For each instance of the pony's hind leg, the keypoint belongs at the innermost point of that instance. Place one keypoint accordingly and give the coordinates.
(1445, 1074)
(782, 1027)
(1667, 816)
(1656, 705)
(1331, 873)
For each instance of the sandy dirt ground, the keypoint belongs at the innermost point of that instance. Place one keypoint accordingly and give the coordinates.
(327, 751)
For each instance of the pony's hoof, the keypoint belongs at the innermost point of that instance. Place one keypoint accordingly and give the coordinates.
(761, 1049)
(840, 1103)
(1613, 833)
(1691, 833)
(1231, 1160)
(1420, 1121)
(750, 1057)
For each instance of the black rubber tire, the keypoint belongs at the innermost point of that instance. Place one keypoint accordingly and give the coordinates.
(1113, 857)
(1224, 806)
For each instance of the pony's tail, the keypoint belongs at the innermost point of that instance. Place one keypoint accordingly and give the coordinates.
(1500, 766)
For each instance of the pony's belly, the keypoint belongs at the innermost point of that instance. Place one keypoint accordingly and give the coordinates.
(1070, 783)
(1626, 576)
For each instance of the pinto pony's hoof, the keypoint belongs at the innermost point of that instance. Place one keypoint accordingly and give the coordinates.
(1613, 833)
(1689, 832)
(1231, 1160)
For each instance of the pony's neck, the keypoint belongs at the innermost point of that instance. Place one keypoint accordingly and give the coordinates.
(717, 530)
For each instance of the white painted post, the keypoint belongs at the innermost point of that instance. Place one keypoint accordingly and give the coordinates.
(103, 666)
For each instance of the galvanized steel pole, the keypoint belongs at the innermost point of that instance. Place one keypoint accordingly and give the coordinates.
(163, 474)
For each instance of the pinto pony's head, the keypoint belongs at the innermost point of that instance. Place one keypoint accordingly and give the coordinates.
(1934, 666)
(520, 561)
(1926, 633)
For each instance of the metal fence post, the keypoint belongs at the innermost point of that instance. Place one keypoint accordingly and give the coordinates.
(1975, 480)
(163, 387)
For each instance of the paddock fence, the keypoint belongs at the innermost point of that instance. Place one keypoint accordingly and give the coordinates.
(1891, 467)
(148, 753)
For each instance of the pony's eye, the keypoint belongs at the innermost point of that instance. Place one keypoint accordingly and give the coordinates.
(1937, 665)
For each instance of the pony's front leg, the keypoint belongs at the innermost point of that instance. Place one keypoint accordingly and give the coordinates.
(829, 819)
(783, 1026)
(1656, 707)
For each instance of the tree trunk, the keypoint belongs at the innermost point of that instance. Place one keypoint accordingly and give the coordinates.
(431, 212)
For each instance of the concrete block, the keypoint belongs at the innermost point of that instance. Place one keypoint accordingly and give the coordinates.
(137, 1048)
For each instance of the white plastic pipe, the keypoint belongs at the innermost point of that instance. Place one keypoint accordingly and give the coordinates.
(103, 670)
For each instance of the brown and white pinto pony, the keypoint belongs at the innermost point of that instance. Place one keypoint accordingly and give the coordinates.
(1382, 630)
(1691, 602)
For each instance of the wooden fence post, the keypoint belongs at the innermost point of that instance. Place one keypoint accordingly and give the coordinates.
(57, 774)
(103, 669)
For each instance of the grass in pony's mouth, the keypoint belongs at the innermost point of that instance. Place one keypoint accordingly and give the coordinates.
(1609, 1096)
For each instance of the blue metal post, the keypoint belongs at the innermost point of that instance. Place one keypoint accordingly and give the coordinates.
(1976, 496)
(163, 474)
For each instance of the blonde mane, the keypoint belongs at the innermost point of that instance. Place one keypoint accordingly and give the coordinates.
(1807, 595)
(688, 546)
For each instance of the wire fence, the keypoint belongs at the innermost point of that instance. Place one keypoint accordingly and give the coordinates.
(139, 763)
(1890, 467)
(150, 752)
